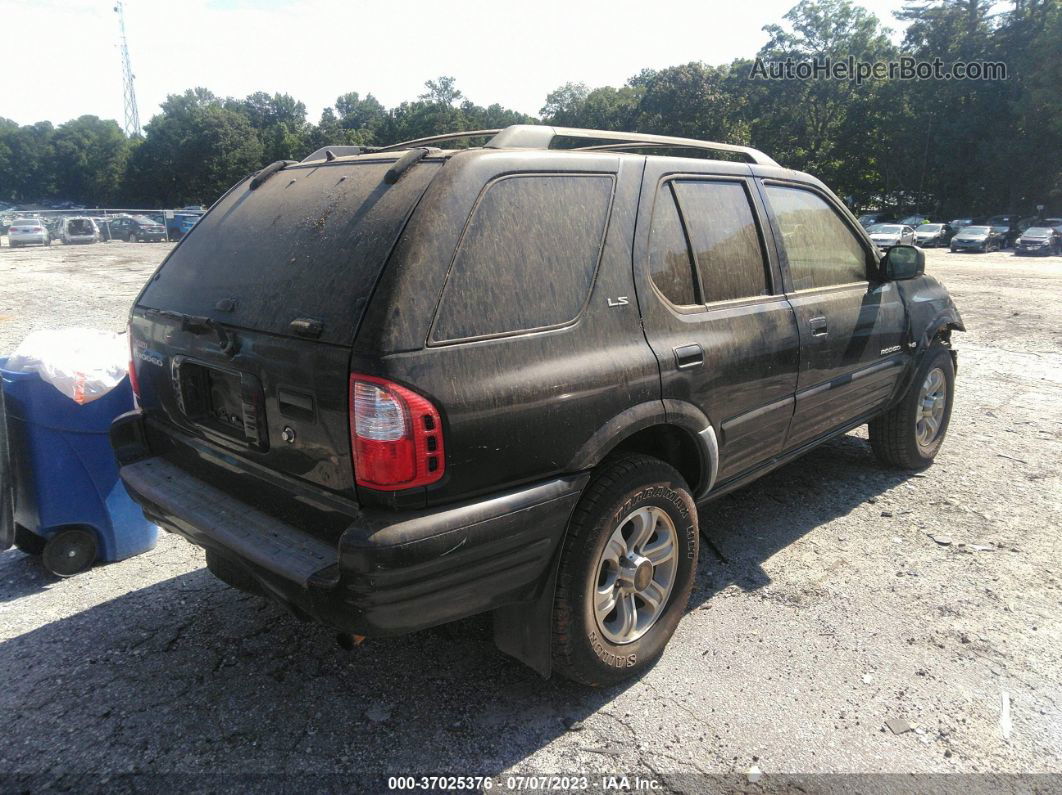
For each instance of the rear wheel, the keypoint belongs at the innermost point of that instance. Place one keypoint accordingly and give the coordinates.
(909, 435)
(69, 552)
(627, 569)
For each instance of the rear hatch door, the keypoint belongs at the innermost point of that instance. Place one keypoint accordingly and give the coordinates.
(241, 340)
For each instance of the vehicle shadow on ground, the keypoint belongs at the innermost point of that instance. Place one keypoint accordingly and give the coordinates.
(742, 529)
(190, 675)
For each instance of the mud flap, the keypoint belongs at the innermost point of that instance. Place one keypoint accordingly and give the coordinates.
(525, 630)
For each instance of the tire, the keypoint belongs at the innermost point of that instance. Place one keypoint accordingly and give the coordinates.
(134, 238)
(28, 541)
(900, 437)
(627, 494)
(69, 552)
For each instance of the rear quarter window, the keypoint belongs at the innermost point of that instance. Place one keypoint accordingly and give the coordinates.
(527, 258)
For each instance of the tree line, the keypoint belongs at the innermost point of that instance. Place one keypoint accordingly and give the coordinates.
(941, 146)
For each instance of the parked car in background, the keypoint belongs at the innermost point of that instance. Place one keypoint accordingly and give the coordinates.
(977, 238)
(181, 224)
(28, 231)
(870, 219)
(78, 231)
(885, 236)
(1006, 226)
(329, 410)
(1040, 241)
(915, 220)
(932, 235)
(958, 224)
(137, 229)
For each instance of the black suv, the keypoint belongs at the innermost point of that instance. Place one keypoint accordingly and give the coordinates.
(397, 388)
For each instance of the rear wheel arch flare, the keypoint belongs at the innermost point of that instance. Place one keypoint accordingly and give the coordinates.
(671, 444)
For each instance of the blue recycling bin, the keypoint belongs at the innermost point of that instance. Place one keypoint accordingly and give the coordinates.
(66, 478)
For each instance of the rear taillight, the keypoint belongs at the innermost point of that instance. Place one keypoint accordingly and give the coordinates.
(395, 434)
(133, 381)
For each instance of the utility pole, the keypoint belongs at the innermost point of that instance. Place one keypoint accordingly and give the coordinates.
(132, 115)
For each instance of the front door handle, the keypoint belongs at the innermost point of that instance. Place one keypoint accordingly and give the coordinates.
(818, 326)
(687, 356)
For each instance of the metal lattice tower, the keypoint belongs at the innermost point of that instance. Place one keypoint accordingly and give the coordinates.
(132, 115)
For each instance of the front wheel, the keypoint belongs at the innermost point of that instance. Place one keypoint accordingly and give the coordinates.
(626, 571)
(909, 435)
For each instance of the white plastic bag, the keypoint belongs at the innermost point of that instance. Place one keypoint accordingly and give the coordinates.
(84, 364)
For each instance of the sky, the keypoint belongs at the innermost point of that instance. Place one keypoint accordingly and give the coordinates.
(61, 57)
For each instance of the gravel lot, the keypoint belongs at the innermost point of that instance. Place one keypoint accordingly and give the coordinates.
(823, 608)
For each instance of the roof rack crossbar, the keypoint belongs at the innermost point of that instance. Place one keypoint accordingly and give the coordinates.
(532, 136)
(436, 138)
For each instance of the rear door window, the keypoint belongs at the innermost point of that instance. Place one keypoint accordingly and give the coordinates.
(527, 257)
(310, 242)
(724, 238)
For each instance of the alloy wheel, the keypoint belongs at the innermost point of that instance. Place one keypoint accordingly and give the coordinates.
(635, 574)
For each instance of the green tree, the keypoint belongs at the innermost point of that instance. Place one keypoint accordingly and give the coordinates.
(89, 160)
(193, 151)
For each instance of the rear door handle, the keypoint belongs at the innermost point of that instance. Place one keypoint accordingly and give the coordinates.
(687, 356)
(818, 326)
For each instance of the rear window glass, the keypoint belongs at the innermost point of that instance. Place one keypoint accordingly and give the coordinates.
(310, 242)
(527, 257)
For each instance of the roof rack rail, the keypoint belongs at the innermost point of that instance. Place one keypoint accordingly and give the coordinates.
(534, 136)
(336, 151)
(540, 136)
(437, 138)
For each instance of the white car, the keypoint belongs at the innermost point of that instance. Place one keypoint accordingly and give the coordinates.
(28, 231)
(80, 230)
(885, 236)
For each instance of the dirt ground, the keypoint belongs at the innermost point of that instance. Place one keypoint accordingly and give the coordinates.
(823, 608)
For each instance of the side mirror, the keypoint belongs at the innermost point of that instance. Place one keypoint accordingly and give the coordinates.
(903, 262)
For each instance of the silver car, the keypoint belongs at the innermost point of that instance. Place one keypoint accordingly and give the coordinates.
(885, 236)
(80, 230)
(28, 231)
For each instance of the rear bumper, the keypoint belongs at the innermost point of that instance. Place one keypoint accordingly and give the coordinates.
(388, 572)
